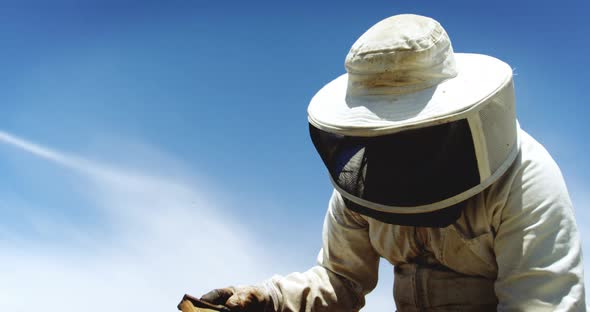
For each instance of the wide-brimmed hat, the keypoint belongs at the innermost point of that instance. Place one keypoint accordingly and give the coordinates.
(402, 73)
(413, 130)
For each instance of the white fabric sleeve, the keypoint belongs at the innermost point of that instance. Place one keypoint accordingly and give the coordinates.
(346, 271)
(537, 244)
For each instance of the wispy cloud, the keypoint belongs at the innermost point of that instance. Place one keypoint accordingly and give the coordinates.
(162, 238)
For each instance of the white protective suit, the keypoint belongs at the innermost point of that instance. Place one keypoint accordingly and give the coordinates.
(514, 248)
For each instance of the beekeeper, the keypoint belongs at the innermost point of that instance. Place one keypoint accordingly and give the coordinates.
(431, 172)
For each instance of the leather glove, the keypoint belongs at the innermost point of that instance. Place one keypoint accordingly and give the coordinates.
(242, 299)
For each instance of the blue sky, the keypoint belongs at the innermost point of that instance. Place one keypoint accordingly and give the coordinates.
(136, 129)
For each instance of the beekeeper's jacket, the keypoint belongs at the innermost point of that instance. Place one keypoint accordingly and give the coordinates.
(514, 248)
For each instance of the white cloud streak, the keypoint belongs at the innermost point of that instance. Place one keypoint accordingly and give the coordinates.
(162, 239)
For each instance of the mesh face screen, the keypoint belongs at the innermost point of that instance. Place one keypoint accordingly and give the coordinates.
(404, 169)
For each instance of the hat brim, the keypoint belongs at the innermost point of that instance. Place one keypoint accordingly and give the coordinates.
(479, 78)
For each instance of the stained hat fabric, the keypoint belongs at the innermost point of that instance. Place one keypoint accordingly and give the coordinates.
(403, 73)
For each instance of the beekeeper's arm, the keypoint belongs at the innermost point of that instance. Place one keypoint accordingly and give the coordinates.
(346, 271)
(537, 244)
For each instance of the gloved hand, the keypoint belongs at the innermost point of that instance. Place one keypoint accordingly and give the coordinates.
(242, 299)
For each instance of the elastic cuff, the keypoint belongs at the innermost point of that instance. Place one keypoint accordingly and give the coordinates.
(274, 296)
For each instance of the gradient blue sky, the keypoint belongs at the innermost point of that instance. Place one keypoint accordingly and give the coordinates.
(139, 106)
